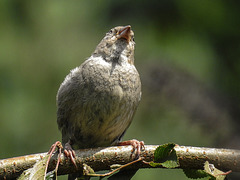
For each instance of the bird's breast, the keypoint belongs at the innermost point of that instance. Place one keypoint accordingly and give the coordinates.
(106, 100)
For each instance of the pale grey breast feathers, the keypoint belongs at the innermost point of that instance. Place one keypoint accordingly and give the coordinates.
(97, 101)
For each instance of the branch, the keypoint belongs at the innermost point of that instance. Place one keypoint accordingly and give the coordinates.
(102, 158)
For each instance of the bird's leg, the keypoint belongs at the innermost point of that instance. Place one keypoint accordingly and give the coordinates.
(58, 145)
(137, 146)
(69, 152)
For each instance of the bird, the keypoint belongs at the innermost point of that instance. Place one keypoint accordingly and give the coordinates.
(97, 100)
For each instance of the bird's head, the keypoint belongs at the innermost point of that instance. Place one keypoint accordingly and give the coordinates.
(117, 45)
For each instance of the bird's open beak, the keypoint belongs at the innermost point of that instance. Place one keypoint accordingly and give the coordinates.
(124, 33)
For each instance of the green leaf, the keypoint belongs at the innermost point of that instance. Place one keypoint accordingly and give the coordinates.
(51, 175)
(165, 155)
(153, 164)
(210, 172)
(87, 170)
(37, 172)
(213, 171)
(163, 152)
(195, 173)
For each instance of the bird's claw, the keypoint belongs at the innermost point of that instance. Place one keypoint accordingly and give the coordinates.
(70, 153)
(137, 146)
(58, 145)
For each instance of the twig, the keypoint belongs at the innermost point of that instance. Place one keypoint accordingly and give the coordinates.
(115, 170)
(102, 158)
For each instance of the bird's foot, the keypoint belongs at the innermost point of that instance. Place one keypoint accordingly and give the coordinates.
(58, 145)
(137, 146)
(70, 153)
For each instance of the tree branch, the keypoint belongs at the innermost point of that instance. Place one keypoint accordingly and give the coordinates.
(103, 158)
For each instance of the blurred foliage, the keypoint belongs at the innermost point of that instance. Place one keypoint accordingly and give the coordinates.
(187, 54)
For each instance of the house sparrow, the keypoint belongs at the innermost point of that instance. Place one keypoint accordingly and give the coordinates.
(97, 101)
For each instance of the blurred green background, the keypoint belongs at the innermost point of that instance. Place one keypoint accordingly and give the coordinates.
(187, 53)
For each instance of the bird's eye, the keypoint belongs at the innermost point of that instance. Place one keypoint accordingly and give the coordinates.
(133, 39)
(111, 31)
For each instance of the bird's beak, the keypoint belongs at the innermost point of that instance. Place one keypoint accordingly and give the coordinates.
(124, 33)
